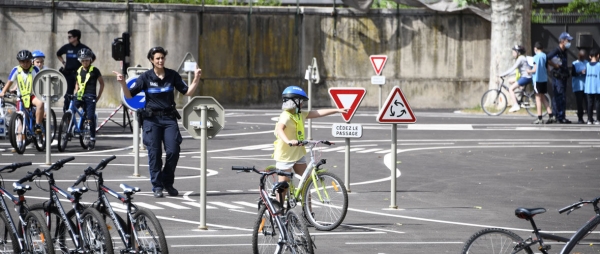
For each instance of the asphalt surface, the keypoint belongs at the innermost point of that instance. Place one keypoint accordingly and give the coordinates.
(459, 173)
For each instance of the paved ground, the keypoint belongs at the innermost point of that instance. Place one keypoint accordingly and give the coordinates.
(459, 173)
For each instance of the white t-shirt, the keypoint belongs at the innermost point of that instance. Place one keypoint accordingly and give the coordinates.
(12, 76)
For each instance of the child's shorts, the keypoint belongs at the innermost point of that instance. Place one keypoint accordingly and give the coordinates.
(284, 165)
(541, 87)
(524, 81)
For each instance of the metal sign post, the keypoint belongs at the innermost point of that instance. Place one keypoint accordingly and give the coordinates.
(312, 76)
(393, 168)
(136, 145)
(378, 62)
(47, 94)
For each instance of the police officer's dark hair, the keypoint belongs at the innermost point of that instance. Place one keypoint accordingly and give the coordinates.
(538, 45)
(155, 50)
(75, 33)
(594, 52)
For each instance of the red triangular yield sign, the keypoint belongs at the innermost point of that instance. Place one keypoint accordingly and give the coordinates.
(396, 109)
(378, 62)
(347, 97)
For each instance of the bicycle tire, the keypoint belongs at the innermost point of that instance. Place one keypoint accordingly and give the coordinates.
(84, 136)
(265, 232)
(94, 232)
(493, 102)
(37, 234)
(531, 106)
(493, 240)
(58, 229)
(63, 131)
(113, 228)
(7, 110)
(40, 145)
(149, 240)
(330, 209)
(270, 180)
(16, 122)
(298, 233)
(6, 235)
(580, 243)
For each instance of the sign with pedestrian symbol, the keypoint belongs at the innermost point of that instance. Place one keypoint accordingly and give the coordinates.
(396, 109)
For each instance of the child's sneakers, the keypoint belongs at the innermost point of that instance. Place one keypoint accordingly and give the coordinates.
(92, 145)
(538, 121)
(551, 120)
(38, 129)
(514, 108)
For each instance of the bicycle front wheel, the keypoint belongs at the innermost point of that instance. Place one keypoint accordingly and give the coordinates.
(150, 235)
(585, 240)
(84, 137)
(63, 131)
(37, 236)
(493, 102)
(265, 233)
(493, 240)
(325, 202)
(95, 233)
(17, 130)
(299, 237)
(8, 243)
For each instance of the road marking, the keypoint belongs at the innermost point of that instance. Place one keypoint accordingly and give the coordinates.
(369, 150)
(407, 243)
(333, 149)
(172, 205)
(352, 150)
(196, 204)
(146, 205)
(440, 127)
(211, 245)
(223, 204)
(514, 143)
(254, 205)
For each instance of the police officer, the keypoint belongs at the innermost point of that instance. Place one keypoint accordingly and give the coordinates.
(160, 117)
(71, 64)
(560, 74)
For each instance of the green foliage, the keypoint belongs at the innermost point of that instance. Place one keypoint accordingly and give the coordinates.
(387, 4)
(467, 2)
(199, 2)
(582, 7)
(540, 17)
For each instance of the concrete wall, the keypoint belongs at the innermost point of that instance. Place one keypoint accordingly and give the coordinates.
(249, 57)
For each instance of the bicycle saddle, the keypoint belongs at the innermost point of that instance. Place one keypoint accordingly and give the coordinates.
(280, 186)
(128, 189)
(79, 191)
(528, 213)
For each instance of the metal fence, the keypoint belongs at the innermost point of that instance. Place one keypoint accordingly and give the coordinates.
(560, 18)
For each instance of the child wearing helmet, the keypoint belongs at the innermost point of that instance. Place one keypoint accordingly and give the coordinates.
(38, 59)
(289, 131)
(85, 89)
(522, 76)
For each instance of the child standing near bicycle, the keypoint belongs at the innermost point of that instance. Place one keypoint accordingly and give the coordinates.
(85, 90)
(592, 86)
(540, 84)
(289, 129)
(522, 76)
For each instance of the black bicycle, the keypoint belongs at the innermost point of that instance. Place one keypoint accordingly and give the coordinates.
(80, 230)
(31, 235)
(498, 240)
(277, 229)
(494, 101)
(141, 232)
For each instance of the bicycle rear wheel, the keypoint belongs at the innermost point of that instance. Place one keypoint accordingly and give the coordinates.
(493, 240)
(586, 239)
(299, 237)
(150, 235)
(8, 243)
(37, 235)
(265, 233)
(325, 202)
(58, 228)
(531, 105)
(493, 102)
(18, 139)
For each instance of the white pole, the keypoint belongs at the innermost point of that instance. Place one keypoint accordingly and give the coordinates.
(309, 136)
(347, 165)
(203, 139)
(393, 168)
(136, 145)
(48, 118)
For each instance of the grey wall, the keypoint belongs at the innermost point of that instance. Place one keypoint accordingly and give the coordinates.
(439, 60)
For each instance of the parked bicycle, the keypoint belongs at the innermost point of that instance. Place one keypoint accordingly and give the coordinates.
(21, 128)
(71, 127)
(494, 101)
(322, 194)
(498, 240)
(80, 230)
(141, 232)
(31, 235)
(277, 230)
(7, 106)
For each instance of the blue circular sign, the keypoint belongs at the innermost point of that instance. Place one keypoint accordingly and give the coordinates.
(136, 102)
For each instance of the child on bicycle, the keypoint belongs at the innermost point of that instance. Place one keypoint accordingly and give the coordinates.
(23, 74)
(85, 90)
(38, 59)
(540, 81)
(289, 129)
(522, 77)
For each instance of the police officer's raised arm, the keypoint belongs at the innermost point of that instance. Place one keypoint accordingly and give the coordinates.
(195, 82)
(121, 81)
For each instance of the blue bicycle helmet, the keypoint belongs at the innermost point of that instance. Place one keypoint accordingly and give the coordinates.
(294, 92)
(38, 53)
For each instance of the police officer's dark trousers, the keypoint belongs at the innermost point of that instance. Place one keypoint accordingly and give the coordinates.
(71, 77)
(559, 104)
(159, 130)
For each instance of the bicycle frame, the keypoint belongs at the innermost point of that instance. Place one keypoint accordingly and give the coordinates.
(74, 125)
(19, 202)
(311, 171)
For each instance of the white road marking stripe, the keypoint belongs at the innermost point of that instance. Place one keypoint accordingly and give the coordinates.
(369, 150)
(423, 144)
(149, 206)
(451, 127)
(196, 204)
(223, 204)
(116, 205)
(514, 143)
(384, 151)
(254, 205)
(333, 149)
(407, 243)
(351, 150)
(173, 205)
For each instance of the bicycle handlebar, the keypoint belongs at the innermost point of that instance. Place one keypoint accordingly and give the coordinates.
(249, 169)
(94, 171)
(574, 206)
(38, 172)
(306, 142)
(15, 165)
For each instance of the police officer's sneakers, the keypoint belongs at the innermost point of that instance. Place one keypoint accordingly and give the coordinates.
(158, 193)
(172, 191)
(564, 121)
(92, 145)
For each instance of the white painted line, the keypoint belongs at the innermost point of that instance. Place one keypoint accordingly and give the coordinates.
(514, 143)
(243, 211)
(589, 143)
(196, 204)
(256, 147)
(254, 205)
(173, 205)
(116, 205)
(333, 149)
(186, 196)
(369, 150)
(352, 150)
(440, 127)
(406, 243)
(205, 236)
(223, 204)
(424, 144)
(236, 158)
(149, 206)
(212, 245)
(268, 149)
(384, 151)
(235, 191)
(198, 223)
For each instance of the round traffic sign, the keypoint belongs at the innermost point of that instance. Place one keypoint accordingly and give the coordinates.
(58, 84)
(135, 102)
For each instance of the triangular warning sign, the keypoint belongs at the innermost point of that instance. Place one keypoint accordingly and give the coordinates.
(396, 109)
(347, 97)
(378, 62)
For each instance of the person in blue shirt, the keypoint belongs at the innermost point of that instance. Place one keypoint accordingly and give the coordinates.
(540, 84)
(560, 74)
(578, 82)
(592, 86)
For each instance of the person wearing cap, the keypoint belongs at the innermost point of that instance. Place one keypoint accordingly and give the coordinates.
(71, 64)
(160, 117)
(560, 74)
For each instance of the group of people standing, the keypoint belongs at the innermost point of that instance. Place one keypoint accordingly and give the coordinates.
(554, 66)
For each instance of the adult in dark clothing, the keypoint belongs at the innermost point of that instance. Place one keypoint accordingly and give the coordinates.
(559, 75)
(160, 117)
(71, 64)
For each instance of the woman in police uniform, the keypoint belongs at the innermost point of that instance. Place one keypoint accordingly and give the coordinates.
(160, 117)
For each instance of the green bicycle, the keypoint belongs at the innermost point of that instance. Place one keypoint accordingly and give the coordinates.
(322, 194)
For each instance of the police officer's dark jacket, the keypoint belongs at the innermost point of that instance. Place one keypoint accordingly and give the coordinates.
(71, 62)
(159, 92)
